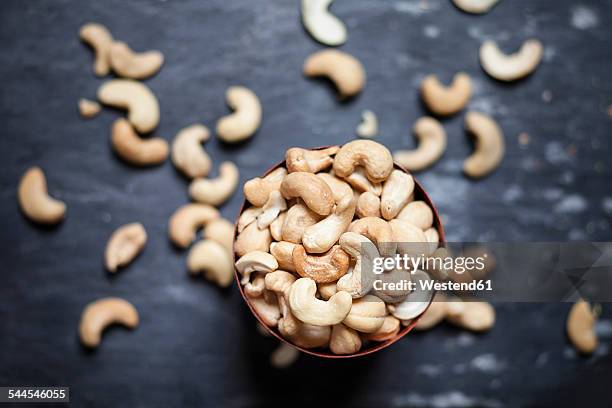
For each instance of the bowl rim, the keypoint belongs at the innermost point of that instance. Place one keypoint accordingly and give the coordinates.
(419, 192)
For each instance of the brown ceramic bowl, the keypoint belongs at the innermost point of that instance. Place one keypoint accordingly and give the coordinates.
(419, 194)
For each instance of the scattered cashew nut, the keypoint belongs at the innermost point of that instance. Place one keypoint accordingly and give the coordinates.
(35, 201)
(213, 260)
(100, 39)
(246, 118)
(445, 101)
(284, 356)
(88, 108)
(488, 145)
(188, 155)
(510, 67)
(369, 124)
(344, 70)
(432, 144)
(134, 149)
(124, 245)
(100, 314)
(581, 327)
(129, 64)
(186, 220)
(222, 231)
(477, 316)
(321, 24)
(307, 308)
(475, 6)
(137, 98)
(218, 190)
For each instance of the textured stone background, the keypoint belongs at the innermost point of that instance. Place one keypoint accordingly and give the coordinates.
(197, 345)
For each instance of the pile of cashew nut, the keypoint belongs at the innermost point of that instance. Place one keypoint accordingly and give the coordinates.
(299, 247)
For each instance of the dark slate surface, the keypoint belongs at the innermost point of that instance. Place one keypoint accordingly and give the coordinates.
(196, 345)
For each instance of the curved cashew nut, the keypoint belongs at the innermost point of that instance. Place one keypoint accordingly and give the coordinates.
(212, 259)
(432, 236)
(368, 205)
(360, 182)
(307, 308)
(135, 150)
(221, 231)
(88, 109)
(396, 193)
(344, 340)
(416, 302)
(246, 118)
(218, 190)
(283, 252)
(311, 336)
(321, 236)
(369, 124)
(280, 283)
(299, 217)
(443, 100)
(315, 193)
(248, 216)
(102, 313)
(137, 98)
(100, 39)
(327, 290)
(356, 283)
(276, 227)
(124, 245)
(367, 314)
(324, 268)
(418, 213)
(188, 155)
(257, 191)
(511, 67)
(129, 64)
(410, 239)
(375, 157)
(391, 289)
(581, 327)
(284, 356)
(186, 220)
(252, 239)
(310, 161)
(271, 210)
(321, 24)
(255, 261)
(432, 144)
(434, 314)
(488, 145)
(268, 311)
(387, 331)
(377, 230)
(344, 195)
(35, 201)
(477, 316)
(475, 6)
(256, 287)
(344, 70)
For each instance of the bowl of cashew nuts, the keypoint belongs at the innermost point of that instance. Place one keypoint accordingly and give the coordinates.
(297, 246)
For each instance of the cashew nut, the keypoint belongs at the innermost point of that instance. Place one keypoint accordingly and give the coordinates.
(255, 261)
(188, 155)
(311, 161)
(445, 101)
(100, 39)
(375, 157)
(321, 24)
(129, 64)
(283, 252)
(361, 183)
(387, 331)
(367, 314)
(246, 118)
(255, 287)
(268, 311)
(323, 268)
(369, 124)
(418, 213)
(186, 220)
(510, 67)
(396, 193)
(475, 6)
(35, 201)
(284, 356)
(321, 236)
(221, 231)
(100, 314)
(88, 109)
(368, 205)
(315, 193)
(344, 70)
(124, 245)
(218, 190)
(410, 239)
(377, 230)
(432, 144)
(357, 282)
(434, 314)
(299, 217)
(280, 283)
(432, 236)
(248, 216)
(135, 150)
(311, 336)
(581, 327)
(416, 302)
(488, 145)
(212, 259)
(327, 290)
(307, 308)
(276, 227)
(344, 340)
(471, 315)
(252, 239)
(137, 98)
(271, 210)
(257, 191)
(391, 289)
